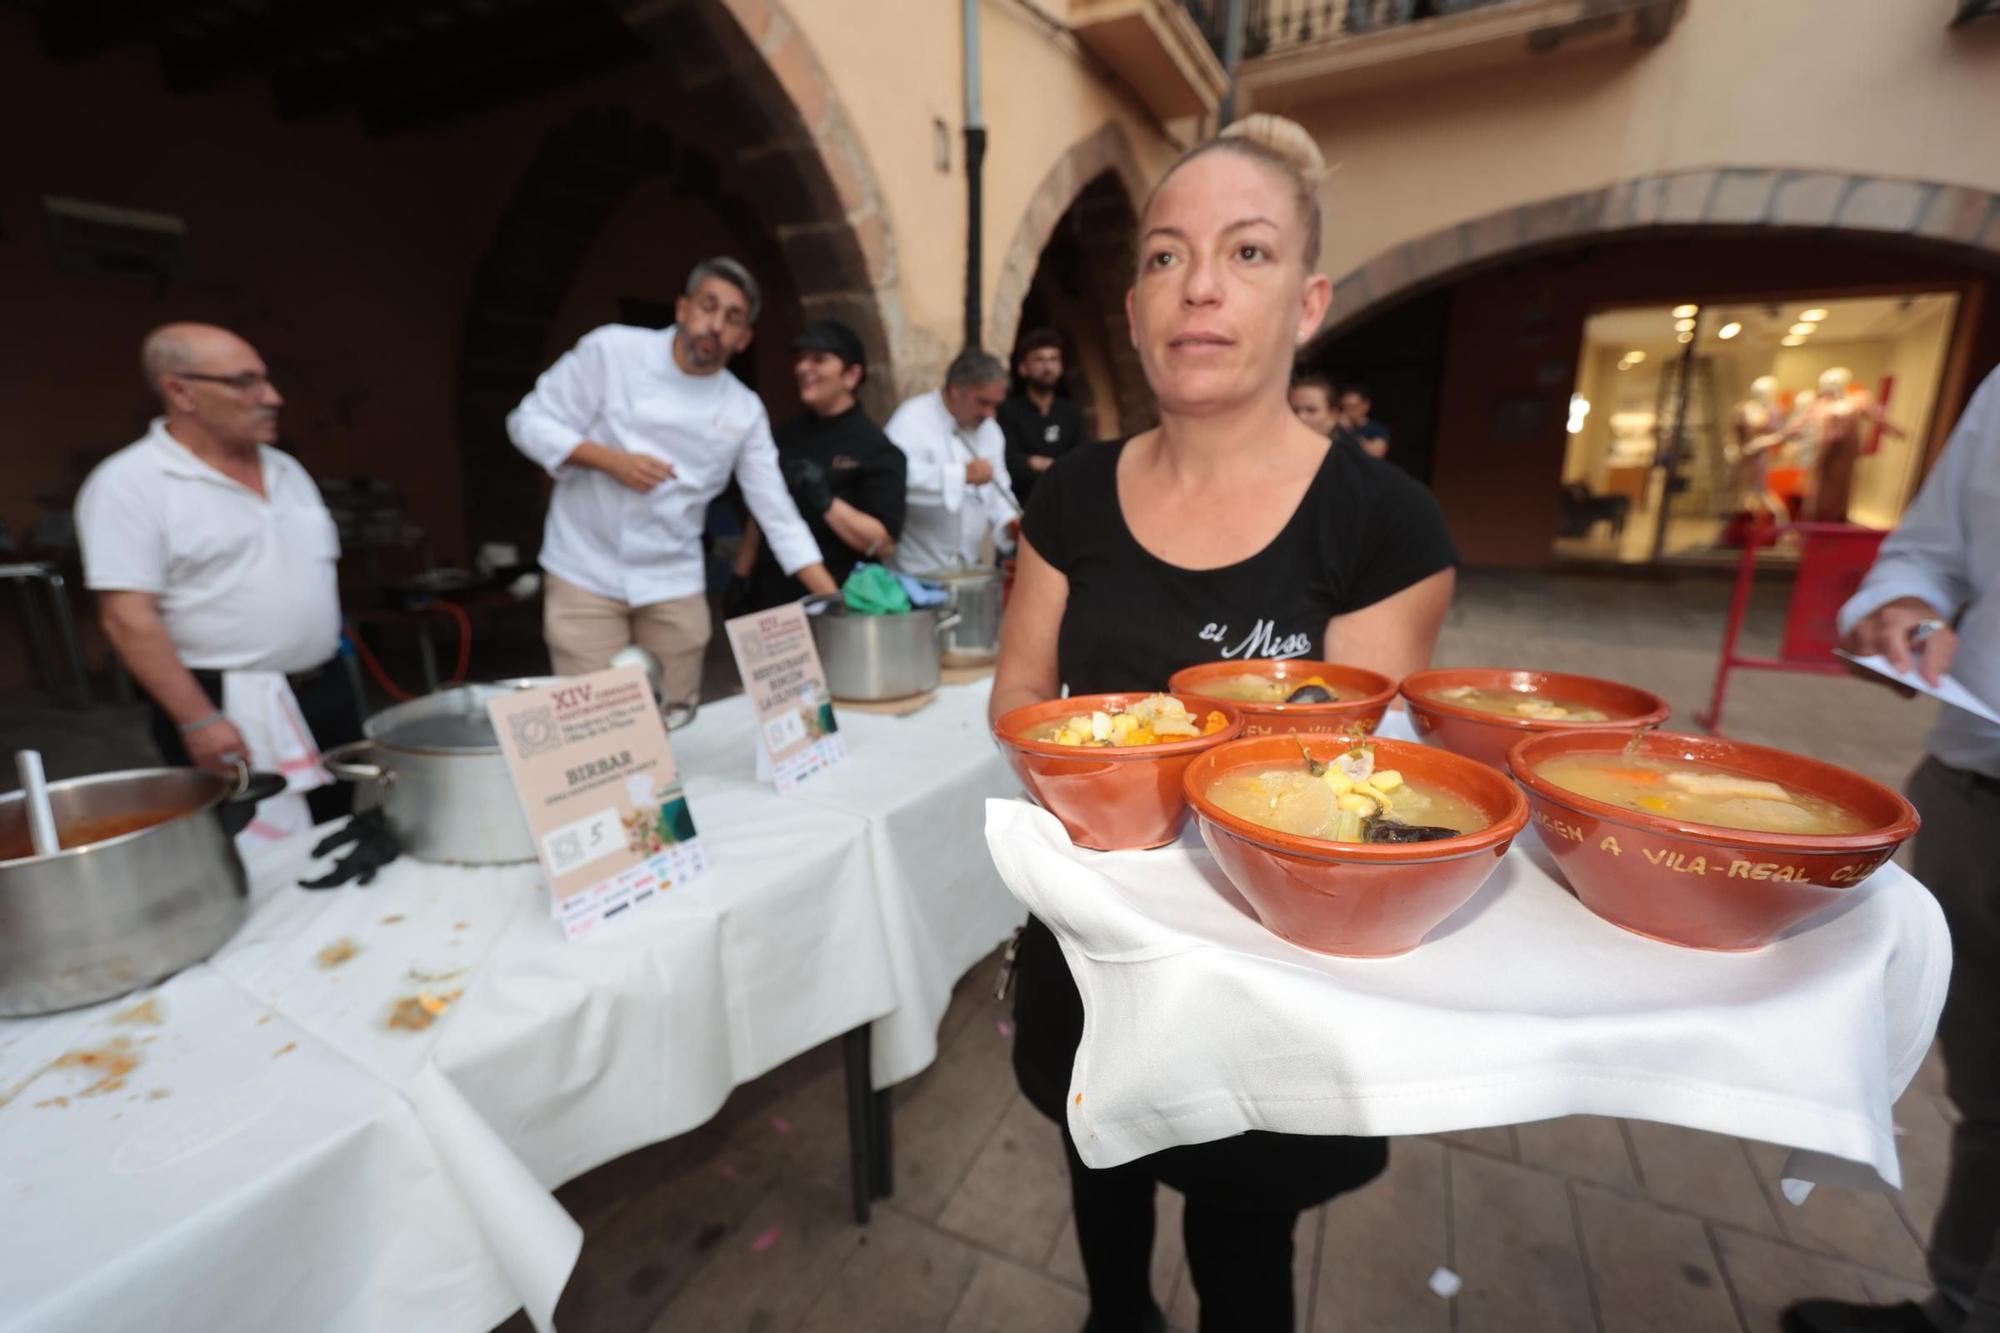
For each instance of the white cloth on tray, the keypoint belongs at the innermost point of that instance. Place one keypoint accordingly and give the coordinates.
(1200, 1024)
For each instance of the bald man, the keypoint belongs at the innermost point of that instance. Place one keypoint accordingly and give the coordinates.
(211, 553)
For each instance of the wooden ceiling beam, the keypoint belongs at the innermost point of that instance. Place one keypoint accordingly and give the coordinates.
(514, 40)
(291, 33)
(79, 29)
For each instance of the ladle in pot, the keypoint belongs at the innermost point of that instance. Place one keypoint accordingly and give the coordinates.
(674, 715)
(35, 797)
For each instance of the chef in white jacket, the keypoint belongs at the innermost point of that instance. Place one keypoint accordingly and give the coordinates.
(959, 490)
(641, 429)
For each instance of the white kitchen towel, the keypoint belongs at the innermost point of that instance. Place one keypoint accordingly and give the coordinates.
(1200, 1024)
(264, 709)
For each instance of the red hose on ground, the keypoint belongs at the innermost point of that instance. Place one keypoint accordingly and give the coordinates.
(382, 677)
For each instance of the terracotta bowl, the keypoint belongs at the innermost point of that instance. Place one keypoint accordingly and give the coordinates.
(1698, 884)
(1364, 900)
(1488, 737)
(1345, 717)
(1109, 799)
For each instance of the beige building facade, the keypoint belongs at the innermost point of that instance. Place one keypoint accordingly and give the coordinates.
(438, 209)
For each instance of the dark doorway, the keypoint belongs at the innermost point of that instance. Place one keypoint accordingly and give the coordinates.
(1398, 357)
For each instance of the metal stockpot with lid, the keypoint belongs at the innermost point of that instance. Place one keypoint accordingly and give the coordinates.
(868, 658)
(977, 595)
(153, 885)
(438, 772)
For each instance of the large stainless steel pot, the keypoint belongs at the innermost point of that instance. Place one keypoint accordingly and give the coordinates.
(440, 777)
(109, 916)
(976, 595)
(877, 657)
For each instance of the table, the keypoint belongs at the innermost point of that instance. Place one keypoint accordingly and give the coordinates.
(555, 1058)
(21, 576)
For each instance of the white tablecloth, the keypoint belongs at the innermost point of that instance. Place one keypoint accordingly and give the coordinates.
(861, 896)
(245, 1178)
(1200, 1023)
(921, 783)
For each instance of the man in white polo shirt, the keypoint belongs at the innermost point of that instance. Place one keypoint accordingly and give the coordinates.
(641, 429)
(960, 493)
(211, 553)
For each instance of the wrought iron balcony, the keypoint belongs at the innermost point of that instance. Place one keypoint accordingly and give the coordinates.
(1294, 48)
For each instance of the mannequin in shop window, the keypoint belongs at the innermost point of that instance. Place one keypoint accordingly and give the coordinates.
(1838, 423)
(1756, 430)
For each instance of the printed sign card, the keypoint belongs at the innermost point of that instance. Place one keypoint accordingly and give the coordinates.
(602, 796)
(797, 735)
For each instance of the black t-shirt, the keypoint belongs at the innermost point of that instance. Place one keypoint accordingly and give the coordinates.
(1364, 531)
(1028, 431)
(846, 457)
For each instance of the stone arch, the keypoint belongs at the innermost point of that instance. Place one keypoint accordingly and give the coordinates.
(1108, 150)
(806, 203)
(1087, 207)
(1730, 199)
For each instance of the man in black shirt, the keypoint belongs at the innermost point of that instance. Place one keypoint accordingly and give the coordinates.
(1371, 435)
(1039, 425)
(845, 476)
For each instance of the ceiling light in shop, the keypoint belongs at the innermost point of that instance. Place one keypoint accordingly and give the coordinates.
(1684, 325)
(1816, 315)
(1802, 328)
(1792, 340)
(1686, 311)
(1631, 359)
(1729, 330)
(1686, 336)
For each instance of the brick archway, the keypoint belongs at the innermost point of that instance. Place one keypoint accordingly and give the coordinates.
(804, 202)
(1107, 150)
(1740, 199)
(1089, 198)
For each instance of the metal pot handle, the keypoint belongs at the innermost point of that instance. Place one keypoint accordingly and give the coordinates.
(819, 601)
(948, 622)
(253, 788)
(338, 762)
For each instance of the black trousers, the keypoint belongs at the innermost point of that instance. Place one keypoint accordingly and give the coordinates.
(1243, 1194)
(328, 703)
(1954, 859)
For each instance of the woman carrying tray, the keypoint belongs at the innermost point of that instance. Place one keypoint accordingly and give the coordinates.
(1230, 531)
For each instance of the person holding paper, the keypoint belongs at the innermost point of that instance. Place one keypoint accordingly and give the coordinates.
(960, 493)
(1231, 530)
(641, 429)
(1932, 604)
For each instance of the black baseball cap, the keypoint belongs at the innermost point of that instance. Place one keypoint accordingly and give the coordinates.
(830, 335)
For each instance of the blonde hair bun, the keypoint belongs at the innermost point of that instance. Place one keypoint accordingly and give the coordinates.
(1283, 138)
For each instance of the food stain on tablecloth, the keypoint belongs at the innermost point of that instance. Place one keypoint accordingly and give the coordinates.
(109, 1066)
(338, 952)
(414, 1013)
(146, 1012)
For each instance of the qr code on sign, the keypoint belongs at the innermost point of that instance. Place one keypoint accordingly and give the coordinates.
(536, 732)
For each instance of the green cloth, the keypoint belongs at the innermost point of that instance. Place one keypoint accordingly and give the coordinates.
(873, 591)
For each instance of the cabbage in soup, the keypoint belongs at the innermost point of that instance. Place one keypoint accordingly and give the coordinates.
(1516, 703)
(1349, 800)
(1697, 793)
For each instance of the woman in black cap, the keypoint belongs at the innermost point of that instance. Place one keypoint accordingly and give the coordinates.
(845, 476)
